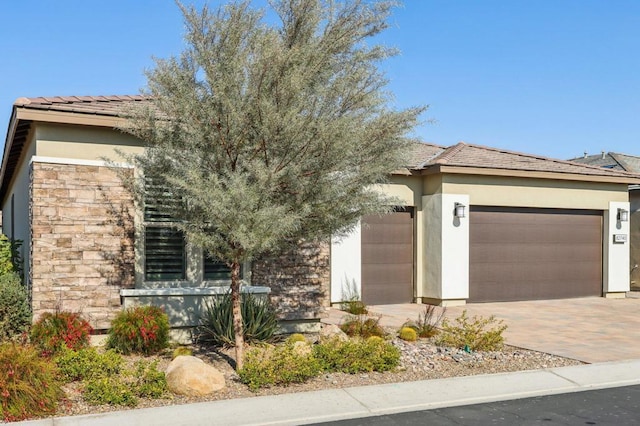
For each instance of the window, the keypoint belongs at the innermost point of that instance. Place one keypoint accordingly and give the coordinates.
(215, 269)
(164, 245)
(164, 254)
(166, 251)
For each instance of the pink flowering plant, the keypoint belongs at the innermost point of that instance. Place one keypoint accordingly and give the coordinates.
(54, 331)
(143, 329)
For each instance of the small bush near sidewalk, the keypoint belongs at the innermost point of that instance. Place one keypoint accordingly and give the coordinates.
(105, 381)
(15, 315)
(292, 362)
(87, 363)
(357, 355)
(427, 323)
(362, 326)
(109, 390)
(258, 320)
(28, 385)
(54, 331)
(475, 334)
(143, 330)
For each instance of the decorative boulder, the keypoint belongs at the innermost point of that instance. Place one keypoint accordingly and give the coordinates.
(332, 331)
(188, 375)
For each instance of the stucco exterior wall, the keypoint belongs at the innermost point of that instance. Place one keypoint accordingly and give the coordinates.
(82, 240)
(15, 219)
(84, 143)
(542, 193)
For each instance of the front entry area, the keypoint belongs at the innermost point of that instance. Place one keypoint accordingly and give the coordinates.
(530, 254)
(387, 258)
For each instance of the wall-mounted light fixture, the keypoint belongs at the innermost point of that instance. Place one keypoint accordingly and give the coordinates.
(623, 215)
(459, 210)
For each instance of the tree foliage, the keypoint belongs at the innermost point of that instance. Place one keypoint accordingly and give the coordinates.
(269, 133)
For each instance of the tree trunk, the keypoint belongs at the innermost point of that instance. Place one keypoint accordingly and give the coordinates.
(237, 313)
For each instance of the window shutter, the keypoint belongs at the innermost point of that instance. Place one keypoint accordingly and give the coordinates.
(214, 269)
(164, 254)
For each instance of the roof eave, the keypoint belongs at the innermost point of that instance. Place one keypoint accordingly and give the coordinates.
(8, 144)
(63, 117)
(440, 168)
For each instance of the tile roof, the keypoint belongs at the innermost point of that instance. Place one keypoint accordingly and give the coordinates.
(97, 105)
(611, 160)
(475, 156)
(423, 155)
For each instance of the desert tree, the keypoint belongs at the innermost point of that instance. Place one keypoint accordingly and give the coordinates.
(272, 126)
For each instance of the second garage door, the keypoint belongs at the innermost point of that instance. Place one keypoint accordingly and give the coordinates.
(527, 254)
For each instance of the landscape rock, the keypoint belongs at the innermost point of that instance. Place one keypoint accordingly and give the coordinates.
(332, 331)
(188, 375)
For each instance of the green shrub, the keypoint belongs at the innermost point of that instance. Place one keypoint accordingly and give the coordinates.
(104, 380)
(6, 255)
(476, 334)
(180, 351)
(87, 363)
(149, 382)
(362, 326)
(28, 385)
(409, 334)
(110, 390)
(15, 315)
(357, 355)
(143, 329)
(258, 319)
(279, 365)
(56, 330)
(296, 337)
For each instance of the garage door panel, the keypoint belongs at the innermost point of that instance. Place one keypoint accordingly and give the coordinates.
(386, 254)
(520, 254)
(386, 233)
(387, 258)
(548, 252)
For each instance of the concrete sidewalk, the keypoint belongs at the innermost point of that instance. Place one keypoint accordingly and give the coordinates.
(338, 404)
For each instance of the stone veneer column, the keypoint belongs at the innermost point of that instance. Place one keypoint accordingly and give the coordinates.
(299, 281)
(82, 235)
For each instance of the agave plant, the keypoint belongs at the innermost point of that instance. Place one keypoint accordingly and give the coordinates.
(258, 319)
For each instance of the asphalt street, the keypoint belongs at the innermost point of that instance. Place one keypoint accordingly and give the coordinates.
(613, 406)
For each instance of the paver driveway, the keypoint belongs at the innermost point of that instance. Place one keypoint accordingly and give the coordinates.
(589, 329)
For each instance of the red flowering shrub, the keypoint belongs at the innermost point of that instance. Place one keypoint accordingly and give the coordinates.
(55, 330)
(143, 329)
(28, 385)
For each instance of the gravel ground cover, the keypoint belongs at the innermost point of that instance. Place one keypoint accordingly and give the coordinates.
(421, 360)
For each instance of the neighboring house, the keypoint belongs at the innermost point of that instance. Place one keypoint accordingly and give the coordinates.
(627, 163)
(472, 224)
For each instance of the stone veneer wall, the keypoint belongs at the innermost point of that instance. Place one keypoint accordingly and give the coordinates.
(82, 235)
(299, 281)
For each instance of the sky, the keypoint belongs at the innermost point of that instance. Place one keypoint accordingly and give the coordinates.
(555, 78)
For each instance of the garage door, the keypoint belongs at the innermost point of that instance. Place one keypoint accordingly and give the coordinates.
(528, 254)
(387, 258)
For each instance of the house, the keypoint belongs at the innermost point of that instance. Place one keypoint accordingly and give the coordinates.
(471, 224)
(627, 163)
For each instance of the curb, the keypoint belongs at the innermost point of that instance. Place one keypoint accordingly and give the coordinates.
(365, 401)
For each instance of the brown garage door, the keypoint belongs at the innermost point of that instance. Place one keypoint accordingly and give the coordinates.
(528, 254)
(387, 258)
